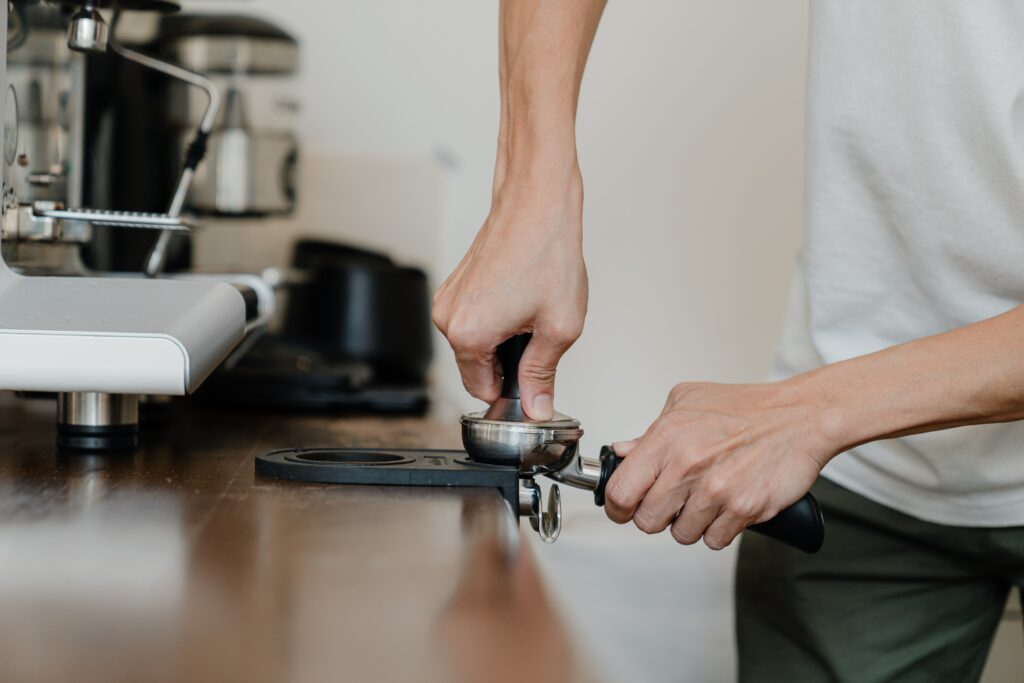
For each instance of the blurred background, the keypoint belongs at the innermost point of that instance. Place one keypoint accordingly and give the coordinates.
(690, 136)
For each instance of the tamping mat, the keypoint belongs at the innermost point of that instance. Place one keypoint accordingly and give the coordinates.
(388, 467)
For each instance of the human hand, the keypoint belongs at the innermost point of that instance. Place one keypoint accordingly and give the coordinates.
(524, 272)
(720, 458)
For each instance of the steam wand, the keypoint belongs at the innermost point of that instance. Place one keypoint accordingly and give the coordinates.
(197, 147)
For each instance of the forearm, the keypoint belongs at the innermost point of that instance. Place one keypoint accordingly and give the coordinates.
(543, 50)
(971, 375)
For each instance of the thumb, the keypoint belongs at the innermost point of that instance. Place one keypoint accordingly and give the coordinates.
(537, 377)
(624, 448)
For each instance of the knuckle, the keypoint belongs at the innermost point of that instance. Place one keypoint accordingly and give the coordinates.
(646, 523)
(661, 431)
(683, 536)
(717, 488)
(745, 508)
(617, 495)
(764, 513)
(565, 333)
(439, 318)
(681, 390)
(677, 465)
(715, 541)
(462, 336)
(470, 388)
(539, 373)
(614, 515)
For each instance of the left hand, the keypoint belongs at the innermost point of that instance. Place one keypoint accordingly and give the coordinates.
(718, 459)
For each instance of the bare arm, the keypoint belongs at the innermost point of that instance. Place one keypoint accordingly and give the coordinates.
(722, 457)
(972, 375)
(524, 271)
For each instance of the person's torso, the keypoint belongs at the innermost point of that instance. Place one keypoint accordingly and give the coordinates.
(914, 224)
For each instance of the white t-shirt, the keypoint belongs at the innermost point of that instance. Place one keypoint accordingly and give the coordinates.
(914, 225)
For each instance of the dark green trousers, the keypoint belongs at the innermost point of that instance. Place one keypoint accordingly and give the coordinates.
(889, 598)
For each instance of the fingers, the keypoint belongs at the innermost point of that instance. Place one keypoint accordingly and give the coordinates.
(624, 448)
(475, 356)
(480, 374)
(646, 490)
(718, 518)
(537, 370)
(660, 506)
(724, 530)
(697, 515)
(630, 483)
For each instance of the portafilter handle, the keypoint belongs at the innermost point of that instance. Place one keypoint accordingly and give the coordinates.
(800, 526)
(509, 353)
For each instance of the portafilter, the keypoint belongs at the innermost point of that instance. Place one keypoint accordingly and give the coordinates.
(505, 435)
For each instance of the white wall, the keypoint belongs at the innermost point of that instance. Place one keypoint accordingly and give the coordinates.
(690, 138)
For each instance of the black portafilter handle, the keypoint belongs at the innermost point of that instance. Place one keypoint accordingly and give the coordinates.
(800, 526)
(509, 353)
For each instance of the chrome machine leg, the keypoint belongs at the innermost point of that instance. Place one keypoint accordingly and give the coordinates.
(92, 421)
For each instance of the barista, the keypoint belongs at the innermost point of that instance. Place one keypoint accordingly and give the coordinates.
(905, 322)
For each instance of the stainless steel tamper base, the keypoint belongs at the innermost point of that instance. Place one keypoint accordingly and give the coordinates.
(532, 446)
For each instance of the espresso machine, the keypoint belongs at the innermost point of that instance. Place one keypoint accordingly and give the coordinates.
(97, 340)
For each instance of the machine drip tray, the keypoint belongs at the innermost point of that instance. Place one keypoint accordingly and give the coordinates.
(388, 467)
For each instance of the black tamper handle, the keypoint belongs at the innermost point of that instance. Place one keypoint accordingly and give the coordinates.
(509, 353)
(800, 526)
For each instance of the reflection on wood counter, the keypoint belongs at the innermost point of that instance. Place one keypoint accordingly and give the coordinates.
(176, 563)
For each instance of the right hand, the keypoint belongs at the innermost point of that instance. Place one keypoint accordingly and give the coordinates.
(524, 272)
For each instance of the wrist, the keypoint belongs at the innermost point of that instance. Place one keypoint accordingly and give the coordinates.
(548, 158)
(539, 138)
(831, 414)
(542, 197)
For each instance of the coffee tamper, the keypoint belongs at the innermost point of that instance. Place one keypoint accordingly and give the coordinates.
(504, 435)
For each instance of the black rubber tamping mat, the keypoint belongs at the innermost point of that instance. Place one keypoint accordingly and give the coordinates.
(388, 467)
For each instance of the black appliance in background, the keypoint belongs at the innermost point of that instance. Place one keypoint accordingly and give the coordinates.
(356, 336)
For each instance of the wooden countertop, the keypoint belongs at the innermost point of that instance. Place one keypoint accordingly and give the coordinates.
(176, 563)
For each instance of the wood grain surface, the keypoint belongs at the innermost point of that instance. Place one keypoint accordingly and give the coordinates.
(177, 563)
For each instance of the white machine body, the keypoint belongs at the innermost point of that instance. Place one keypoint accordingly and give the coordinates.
(114, 335)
